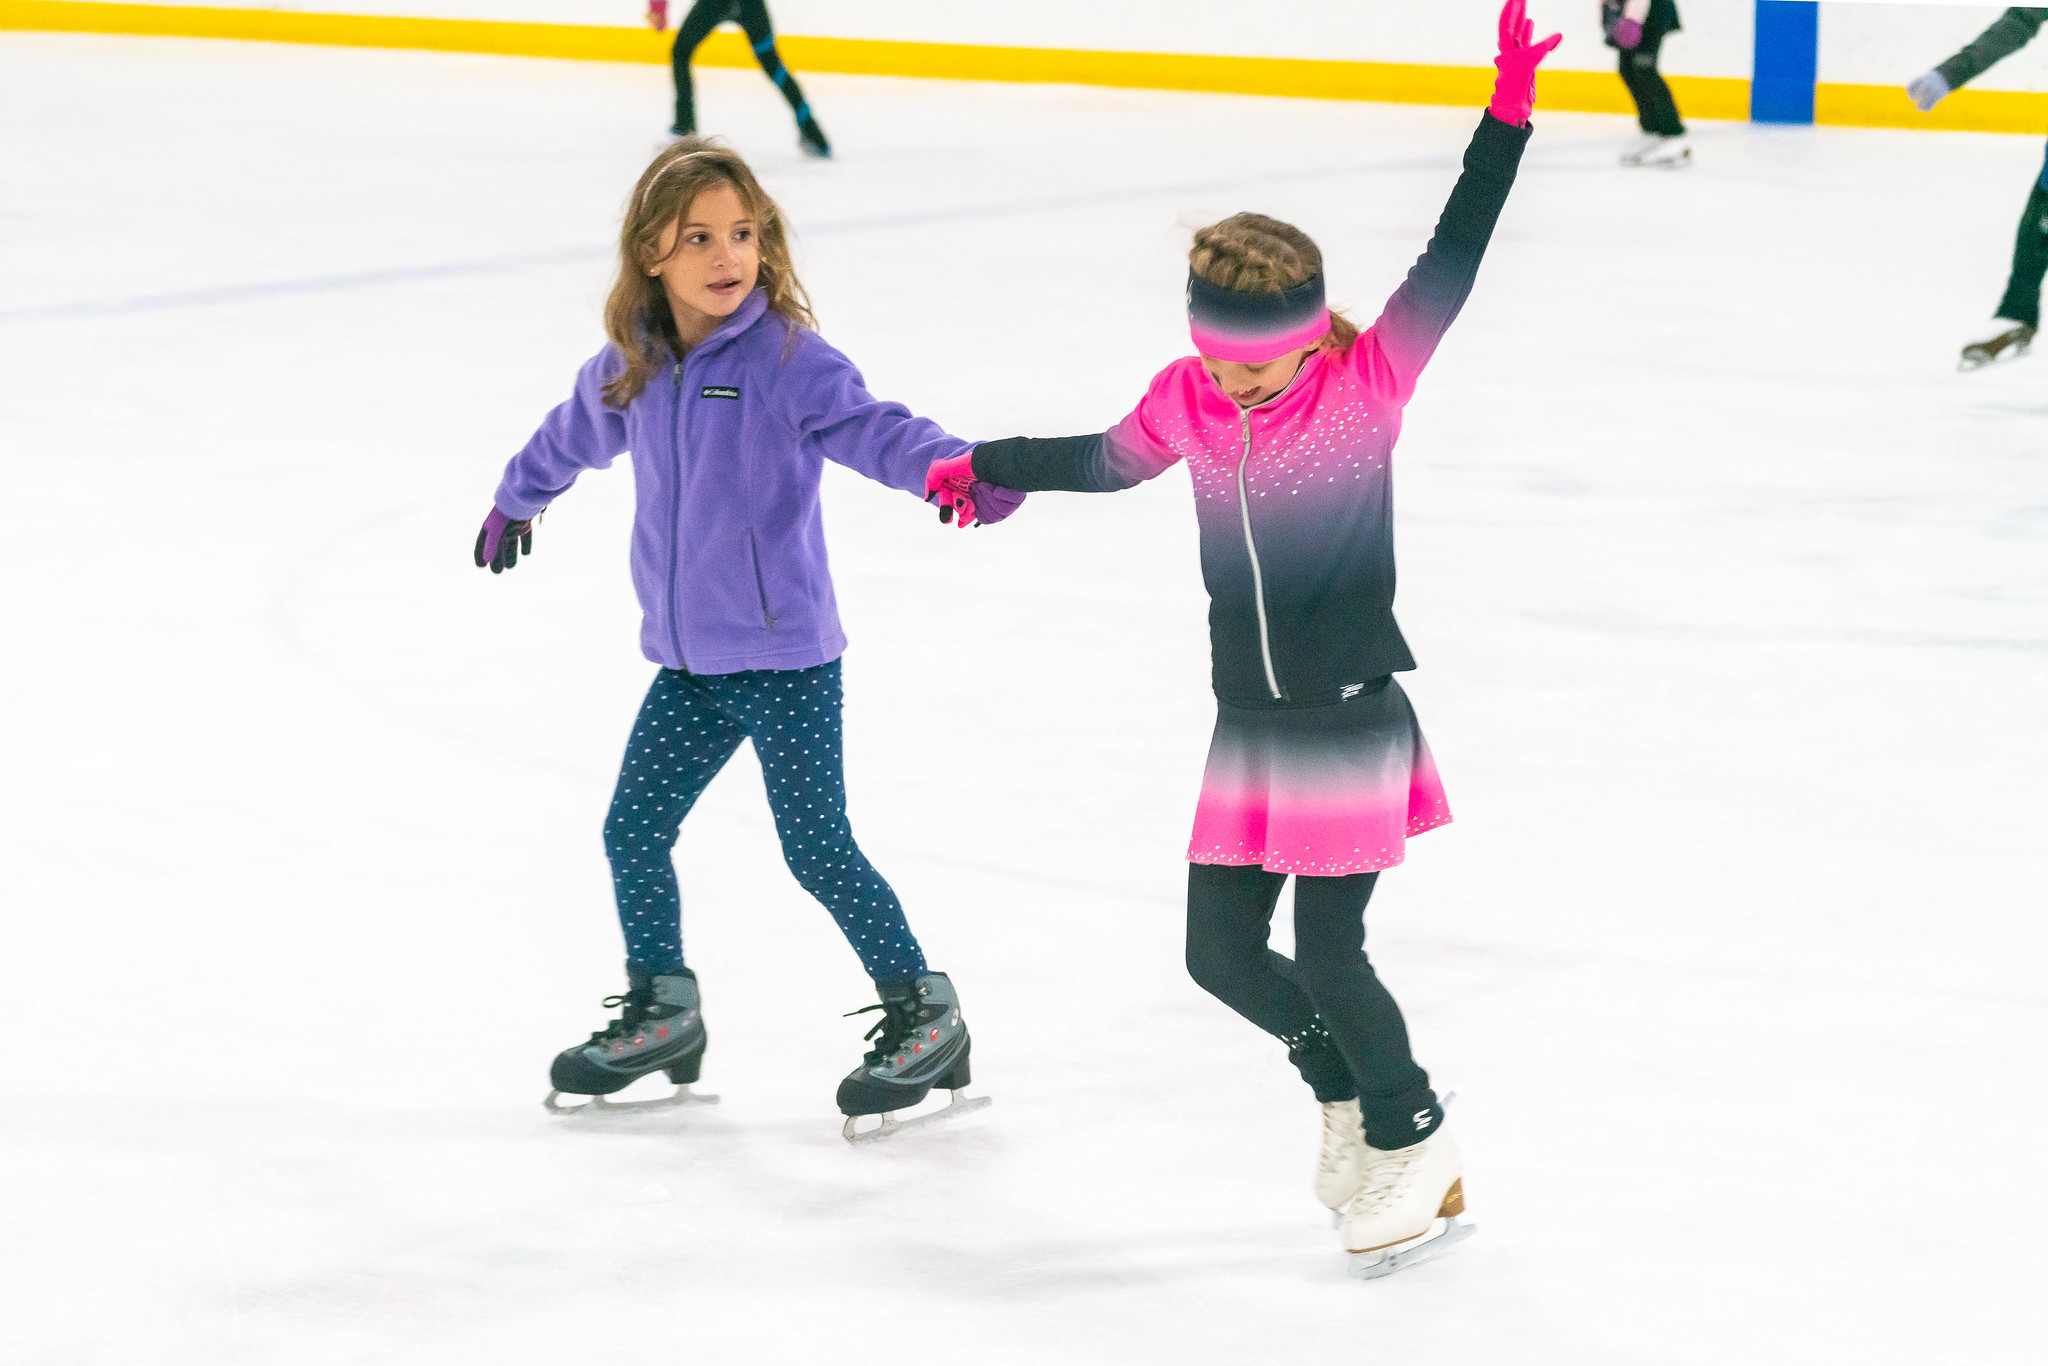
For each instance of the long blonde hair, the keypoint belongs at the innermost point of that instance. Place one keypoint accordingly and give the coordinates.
(637, 316)
(1252, 251)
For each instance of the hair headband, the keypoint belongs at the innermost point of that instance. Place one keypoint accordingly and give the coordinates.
(1253, 326)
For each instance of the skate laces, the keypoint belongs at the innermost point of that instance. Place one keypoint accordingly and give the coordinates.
(1384, 1177)
(899, 1018)
(1336, 1141)
(630, 1018)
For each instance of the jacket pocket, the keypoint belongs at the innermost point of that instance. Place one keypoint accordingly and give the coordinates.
(760, 583)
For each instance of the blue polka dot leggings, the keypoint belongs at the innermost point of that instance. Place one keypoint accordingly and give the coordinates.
(688, 727)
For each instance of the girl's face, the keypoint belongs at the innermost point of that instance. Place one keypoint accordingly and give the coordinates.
(710, 259)
(1251, 385)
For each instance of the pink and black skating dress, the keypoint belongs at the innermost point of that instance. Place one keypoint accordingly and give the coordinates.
(1318, 766)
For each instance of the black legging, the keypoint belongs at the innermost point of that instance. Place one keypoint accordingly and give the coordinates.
(1341, 1027)
(752, 15)
(2022, 302)
(1656, 111)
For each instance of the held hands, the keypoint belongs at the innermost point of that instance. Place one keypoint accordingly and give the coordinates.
(1514, 90)
(964, 499)
(1928, 90)
(503, 541)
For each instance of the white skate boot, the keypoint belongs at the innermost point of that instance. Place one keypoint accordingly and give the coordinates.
(1407, 1206)
(1342, 1159)
(2008, 341)
(1653, 149)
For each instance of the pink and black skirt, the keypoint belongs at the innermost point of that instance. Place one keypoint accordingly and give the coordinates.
(1319, 791)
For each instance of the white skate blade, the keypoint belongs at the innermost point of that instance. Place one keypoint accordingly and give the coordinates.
(890, 1125)
(1370, 1266)
(682, 1095)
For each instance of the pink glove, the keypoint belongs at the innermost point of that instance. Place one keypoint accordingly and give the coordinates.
(657, 15)
(950, 484)
(1628, 34)
(1514, 90)
(960, 496)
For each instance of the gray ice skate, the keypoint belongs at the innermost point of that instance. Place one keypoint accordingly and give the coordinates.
(2008, 341)
(660, 1029)
(921, 1043)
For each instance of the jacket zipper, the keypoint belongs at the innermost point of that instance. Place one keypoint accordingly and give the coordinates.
(675, 517)
(760, 584)
(1244, 509)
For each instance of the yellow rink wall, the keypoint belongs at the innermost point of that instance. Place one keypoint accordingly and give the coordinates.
(1709, 97)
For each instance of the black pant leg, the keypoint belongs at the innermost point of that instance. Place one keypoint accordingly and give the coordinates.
(703, 17)
(2022, 302)
(1358, 1011)
(753, 16)
(1656, 110)
(1230, 916)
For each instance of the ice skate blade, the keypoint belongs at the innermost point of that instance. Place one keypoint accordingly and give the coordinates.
(1979, 361)
(683, 1095)
(890, 1125)
(1370, 1266)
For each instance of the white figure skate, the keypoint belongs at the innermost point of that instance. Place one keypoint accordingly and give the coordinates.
(1407, 1207)
(1658, 151)
(1342, 1159)
(2008, 341)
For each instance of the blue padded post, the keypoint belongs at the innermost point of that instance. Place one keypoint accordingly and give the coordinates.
(1787, 61)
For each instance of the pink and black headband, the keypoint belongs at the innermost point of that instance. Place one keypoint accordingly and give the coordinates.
(1253, 326)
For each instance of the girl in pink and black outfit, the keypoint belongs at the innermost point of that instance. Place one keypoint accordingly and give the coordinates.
(1287, 421)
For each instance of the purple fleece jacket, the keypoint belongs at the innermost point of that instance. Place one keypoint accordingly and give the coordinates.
(728, 448)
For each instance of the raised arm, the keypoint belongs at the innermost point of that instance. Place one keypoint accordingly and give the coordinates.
(1391, 355)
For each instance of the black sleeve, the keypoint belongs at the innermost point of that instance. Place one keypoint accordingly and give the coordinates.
(1035, 464)
(2012, 31)
(1428, 301)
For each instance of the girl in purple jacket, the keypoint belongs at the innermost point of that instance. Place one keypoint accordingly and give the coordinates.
(717, 382)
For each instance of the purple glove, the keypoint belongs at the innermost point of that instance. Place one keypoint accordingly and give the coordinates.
(964, 499)
(992, 504)
(503, 540)
(1514, 90)
(1628, 34)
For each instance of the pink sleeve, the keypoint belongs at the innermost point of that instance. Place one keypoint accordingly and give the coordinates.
(1136, 449)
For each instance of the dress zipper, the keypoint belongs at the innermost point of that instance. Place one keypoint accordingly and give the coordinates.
(1244, 509)
(675, 514)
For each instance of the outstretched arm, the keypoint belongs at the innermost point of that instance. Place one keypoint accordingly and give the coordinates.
(1391, 355)
(989, 482)
(582, 433)
(2010, 32)
(829, 402)
(1103, 462)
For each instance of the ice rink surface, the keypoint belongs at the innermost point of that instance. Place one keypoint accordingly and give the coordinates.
(1728, 592)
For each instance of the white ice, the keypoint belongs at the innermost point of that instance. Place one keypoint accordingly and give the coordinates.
(1728, 592)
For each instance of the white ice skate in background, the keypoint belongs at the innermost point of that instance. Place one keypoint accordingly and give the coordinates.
(2009, 340)
(1656, 150)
